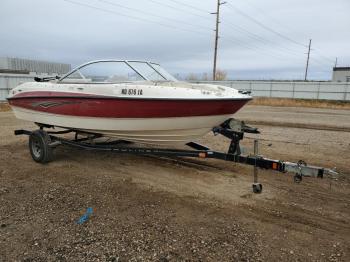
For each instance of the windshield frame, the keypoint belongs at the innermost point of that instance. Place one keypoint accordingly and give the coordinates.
(76, 69)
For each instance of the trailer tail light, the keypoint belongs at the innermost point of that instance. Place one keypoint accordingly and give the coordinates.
(202, 155)
(274, 166)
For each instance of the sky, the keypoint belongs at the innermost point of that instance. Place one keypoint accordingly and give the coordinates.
(259, 39)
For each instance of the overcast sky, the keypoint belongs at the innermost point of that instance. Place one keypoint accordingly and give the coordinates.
(260, 39)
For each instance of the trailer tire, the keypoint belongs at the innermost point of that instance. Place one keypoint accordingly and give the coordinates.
(257, 188)
(298, 178)
(39, 146)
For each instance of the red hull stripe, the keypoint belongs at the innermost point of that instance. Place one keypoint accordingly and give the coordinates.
(46, 94)
(126, 108)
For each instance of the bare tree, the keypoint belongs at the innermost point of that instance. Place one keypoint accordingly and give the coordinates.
(178, 76)
(191, 77)
(221, 75)
(205, 77)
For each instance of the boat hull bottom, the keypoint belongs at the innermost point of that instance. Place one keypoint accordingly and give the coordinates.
(143, 130)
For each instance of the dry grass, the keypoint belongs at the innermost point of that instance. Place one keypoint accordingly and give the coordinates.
(265, 101)
(4, 106)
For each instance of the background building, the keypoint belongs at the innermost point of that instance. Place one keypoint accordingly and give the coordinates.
(341, 74)
(14, 71)
(26, 66)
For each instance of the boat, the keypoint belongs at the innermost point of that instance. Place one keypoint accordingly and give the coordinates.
(135, 101)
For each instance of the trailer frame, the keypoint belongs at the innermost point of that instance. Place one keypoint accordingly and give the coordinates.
(42, 143)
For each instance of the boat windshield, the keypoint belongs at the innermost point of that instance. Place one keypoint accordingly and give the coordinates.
(117, 71)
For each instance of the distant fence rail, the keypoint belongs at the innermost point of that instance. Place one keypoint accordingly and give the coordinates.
(9, 81)
(302, 90)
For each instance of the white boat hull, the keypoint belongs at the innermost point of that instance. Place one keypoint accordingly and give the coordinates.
(144, 130)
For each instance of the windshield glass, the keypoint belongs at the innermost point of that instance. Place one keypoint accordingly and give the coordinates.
(146, 70)
(104, 72)
(164, 73)
(117, 71)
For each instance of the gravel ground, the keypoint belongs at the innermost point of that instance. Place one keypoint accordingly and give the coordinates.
(160, 209)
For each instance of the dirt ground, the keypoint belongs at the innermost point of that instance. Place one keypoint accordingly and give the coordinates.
(160, 209)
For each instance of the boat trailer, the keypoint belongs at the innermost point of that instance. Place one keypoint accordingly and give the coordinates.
(42, 143)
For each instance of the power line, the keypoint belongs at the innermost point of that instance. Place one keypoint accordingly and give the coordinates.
(257, 37)
(178, 9)
(253, 48)
(262, 40)
(264, 26)
(271, 55)
(237, 42)
(256, 47)
(268, 42)
(320, 64)
(322, 56)
(261, 11)
(217, 37)
(145, 20)
(151, 14)
(288, 27)
(241, 29)
(277, 49)
(132, 17)
(190, 6)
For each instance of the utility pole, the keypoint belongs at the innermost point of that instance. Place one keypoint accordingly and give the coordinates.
(336, 62)
(217, 13)
(307, 62)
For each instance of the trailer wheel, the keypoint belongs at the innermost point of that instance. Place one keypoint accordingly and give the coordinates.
(257, 188)
(298, 178)
(39, 147)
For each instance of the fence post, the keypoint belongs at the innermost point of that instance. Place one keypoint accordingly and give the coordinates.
(270, 89)
(318, 90)
(7, 83)
(293, 88)
(346, 89)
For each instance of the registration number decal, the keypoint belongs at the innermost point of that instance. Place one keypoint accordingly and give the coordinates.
(134, 92)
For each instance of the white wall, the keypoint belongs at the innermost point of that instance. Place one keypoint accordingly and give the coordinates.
(9, 81)
(304, 90)
(341, 76)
